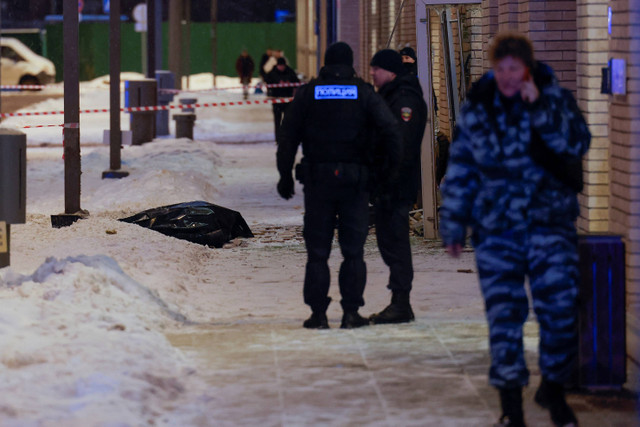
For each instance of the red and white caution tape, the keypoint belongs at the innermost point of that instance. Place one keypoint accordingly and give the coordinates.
(284, 85)
(146, 108)
(29, 87)
(41, 126)
(7, 87)
(276, 85)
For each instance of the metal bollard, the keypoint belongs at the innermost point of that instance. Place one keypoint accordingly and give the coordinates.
(187, 101)
(166, 80)
(184, 125)
(141, 93)
(13, 187)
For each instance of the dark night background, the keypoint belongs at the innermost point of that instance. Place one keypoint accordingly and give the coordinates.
(32, 13)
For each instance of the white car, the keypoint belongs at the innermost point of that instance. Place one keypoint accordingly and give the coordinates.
(21, 66)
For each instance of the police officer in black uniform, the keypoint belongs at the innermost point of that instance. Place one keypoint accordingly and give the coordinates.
(332, 117)
(402, 92)
(280, 74)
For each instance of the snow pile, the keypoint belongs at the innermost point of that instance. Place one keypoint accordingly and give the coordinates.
(89, 335)
(85, 307)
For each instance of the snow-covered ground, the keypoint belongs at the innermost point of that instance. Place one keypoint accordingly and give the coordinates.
(219, 124)
(106, 323)
(84, 308)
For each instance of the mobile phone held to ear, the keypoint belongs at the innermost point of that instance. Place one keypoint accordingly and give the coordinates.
(527, 74)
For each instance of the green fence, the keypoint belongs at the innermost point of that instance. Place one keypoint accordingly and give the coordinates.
(232, 38)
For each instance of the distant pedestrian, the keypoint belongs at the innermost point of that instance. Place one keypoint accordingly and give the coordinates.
(393, 200)
(332, 117)
(410, 62)
(521, 207)
(263, 60)
(409, 59)
(281, 74)
(272, 61)
(244, 68)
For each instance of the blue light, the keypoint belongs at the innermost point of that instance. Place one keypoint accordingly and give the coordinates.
(282, 15)
(594, 326)
(609, 14)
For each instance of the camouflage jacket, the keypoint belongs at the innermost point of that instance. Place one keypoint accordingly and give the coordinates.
(492, 184)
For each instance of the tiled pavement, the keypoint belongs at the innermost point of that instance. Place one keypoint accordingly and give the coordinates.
(426, 373)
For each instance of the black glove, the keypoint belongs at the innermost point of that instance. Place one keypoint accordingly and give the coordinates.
(285, 187)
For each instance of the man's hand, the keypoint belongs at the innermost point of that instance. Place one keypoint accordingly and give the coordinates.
(529, 91)
(285, 187)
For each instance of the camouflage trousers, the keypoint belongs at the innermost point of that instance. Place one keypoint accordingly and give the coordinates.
(548, 257)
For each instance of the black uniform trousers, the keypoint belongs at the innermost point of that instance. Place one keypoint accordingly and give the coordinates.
(392, 232)
(325, 209)
(278, 115)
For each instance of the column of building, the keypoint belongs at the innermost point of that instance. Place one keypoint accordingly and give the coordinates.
(624, 156)
(592, 56)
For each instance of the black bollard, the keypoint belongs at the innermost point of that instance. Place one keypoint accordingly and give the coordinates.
(142, 93)
(13, 187)
(184, 124)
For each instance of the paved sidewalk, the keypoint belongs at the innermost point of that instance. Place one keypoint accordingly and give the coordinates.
(264, 369)
(269, 371)
(427, 373)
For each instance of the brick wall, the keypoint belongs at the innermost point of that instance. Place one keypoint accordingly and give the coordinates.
(592, 55)
(383, 14)
(507, 15)
(373, 34)
(388, 13)
(349, 28)
(624, 156)
(489, 27)
(474, 23)
(551, 26)
(407, 26)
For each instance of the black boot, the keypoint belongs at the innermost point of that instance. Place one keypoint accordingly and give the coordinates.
(511, 402)
(351, 319)
(399, 311)
(318, 320)
(550, 395)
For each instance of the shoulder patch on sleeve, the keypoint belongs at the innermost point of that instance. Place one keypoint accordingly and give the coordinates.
(406, 113)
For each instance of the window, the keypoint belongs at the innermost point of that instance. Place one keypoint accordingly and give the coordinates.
(9, 53)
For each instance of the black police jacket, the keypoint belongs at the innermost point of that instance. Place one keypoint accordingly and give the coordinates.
(405, 98)
(333, 117)
(276, 76)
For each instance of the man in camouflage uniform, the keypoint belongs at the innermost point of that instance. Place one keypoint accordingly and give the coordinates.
(522, 215)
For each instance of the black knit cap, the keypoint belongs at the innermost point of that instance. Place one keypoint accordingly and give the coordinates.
(339, 53)
(282, 61)
(389, 60)
(407, 51)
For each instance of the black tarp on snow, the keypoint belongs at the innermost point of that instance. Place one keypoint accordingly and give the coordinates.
(198, 222)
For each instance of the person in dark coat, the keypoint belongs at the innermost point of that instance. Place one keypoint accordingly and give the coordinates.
(263, 60)
(332, 116)
(522, 215)
(281, 74)
(393, 201)
(244, 68)
(409, 60)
